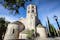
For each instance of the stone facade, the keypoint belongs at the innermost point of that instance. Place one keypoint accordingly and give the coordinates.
(31, 22)
(22, 36)
(41, 31)
(12, 32)
(30, 19)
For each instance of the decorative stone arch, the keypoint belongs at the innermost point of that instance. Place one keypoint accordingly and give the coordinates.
(21, 26)
(13, 30)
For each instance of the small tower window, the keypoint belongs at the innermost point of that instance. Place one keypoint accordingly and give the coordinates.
(32, 11)
(32, 6)
(28, 11)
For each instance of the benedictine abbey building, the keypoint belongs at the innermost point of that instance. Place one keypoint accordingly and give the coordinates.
(20, 29)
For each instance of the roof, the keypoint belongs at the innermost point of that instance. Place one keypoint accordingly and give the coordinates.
(39, 25)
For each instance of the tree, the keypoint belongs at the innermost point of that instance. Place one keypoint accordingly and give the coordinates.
(3, 26)
(30, 34)
(52, 30)
(14, 5)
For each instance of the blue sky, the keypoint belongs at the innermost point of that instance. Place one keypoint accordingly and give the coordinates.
(44, 7)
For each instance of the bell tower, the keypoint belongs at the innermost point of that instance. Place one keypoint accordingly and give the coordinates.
(31, 10)
(31, 16)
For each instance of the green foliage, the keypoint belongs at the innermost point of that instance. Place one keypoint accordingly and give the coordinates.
(52, 30)
(30, 34)
(15, 4)
(3, 26)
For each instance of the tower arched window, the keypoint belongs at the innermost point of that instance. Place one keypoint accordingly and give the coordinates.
(28, 11)
(32, 11)
(32, 6)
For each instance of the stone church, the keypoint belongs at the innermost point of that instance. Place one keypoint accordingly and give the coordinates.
(18, 29)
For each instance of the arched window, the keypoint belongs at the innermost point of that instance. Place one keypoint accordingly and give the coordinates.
(32, 11)
(32, 6)
(13, 30)
(28, 11)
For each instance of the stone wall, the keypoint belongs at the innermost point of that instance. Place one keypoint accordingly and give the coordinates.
(41, 31)
(12, 32)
